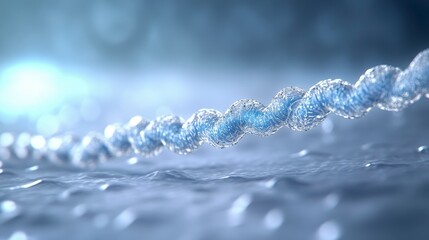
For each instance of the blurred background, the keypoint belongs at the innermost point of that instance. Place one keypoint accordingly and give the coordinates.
(79, 65)
(66, 62)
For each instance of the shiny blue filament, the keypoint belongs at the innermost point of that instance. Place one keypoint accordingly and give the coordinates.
(386, 87)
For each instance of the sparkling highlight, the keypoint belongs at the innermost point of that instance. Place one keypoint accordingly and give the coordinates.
(386, 87)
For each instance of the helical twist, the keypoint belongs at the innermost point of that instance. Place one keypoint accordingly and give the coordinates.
(386, 87)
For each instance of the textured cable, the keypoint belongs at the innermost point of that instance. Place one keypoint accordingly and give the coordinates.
(386, 87)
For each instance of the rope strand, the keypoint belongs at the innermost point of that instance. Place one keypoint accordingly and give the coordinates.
(386, 87)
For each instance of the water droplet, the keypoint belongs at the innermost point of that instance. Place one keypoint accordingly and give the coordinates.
(423, 149)
(329, 230)
(21, 145)
(241, 203)
(8, 207)
(132, 161)
(124, 219)
(54, 143)
(331, 200)
(236, 212)
(18, 235)
(32, 169)
(103, 187)
(8, 210)
(270, 183)
(6, 139)
(79, 210)
(301, 153)
(273, 219)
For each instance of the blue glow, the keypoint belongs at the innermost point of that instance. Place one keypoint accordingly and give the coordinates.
(32, 88)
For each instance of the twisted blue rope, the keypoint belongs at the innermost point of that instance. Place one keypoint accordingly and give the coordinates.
(386, 87)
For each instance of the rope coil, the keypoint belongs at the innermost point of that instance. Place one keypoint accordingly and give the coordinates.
(386, 87)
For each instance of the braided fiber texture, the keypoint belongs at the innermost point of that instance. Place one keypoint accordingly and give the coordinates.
(386, 87)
